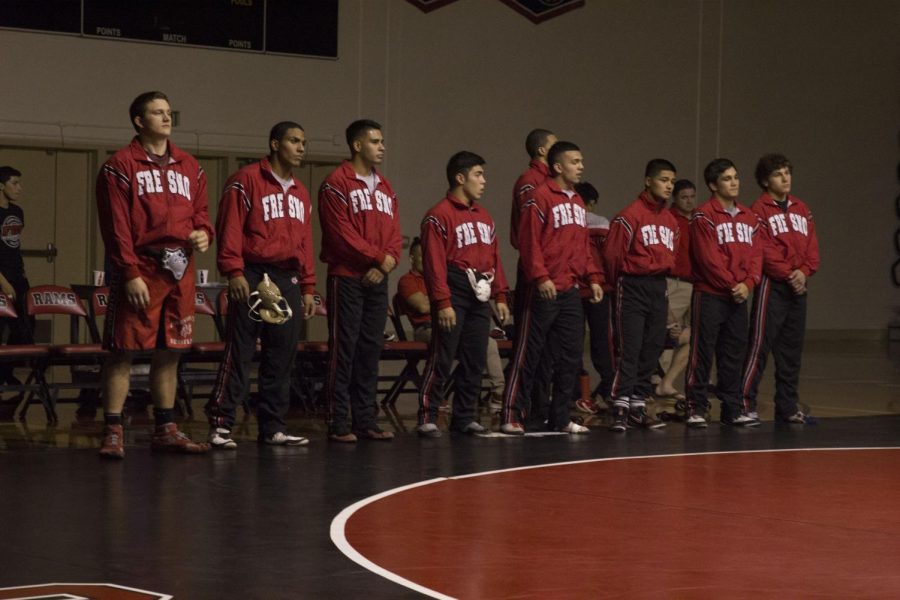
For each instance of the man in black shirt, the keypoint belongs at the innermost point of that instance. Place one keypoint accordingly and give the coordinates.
(13, 282)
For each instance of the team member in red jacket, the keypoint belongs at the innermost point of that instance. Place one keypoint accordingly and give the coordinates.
(414, 303)
(537, 144)
(263, 228)
(727, 261)
(554, 253)
(361, 243)
(640, 252)
(151, 200)
(679, 288)
(462, 272)
(790, 258)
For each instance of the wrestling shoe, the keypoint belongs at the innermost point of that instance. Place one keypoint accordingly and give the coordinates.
(113, 445)
(512, 429)
(220, 438)
(620, 419)
(639, 417)
(280, 438)
(167, 438)
(574, 427)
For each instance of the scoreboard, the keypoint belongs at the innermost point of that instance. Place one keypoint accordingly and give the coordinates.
(302, 27)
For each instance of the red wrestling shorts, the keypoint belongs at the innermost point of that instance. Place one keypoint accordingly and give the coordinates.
(167, 323)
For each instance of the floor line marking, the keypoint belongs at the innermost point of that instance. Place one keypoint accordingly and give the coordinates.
(339, 523)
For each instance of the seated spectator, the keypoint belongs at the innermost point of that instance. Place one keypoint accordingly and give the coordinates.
(596, 314)
(679, 287)
(415, 305)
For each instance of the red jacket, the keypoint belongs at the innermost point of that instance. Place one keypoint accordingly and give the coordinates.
(143, 205)
(462, 236)
(789, 239)
(258, 223)
(408, 285)
(683, 252)
(598, 229)
(643, 240)
(536, 174)
(359, 228)
(723, 250)
(553, 241)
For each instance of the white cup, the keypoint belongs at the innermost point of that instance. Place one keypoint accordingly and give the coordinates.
(99, 278)
(202, 276)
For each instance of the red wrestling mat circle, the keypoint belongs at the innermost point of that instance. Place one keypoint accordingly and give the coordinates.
(770, 524)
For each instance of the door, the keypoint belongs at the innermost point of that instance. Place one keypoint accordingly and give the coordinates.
(57, 203)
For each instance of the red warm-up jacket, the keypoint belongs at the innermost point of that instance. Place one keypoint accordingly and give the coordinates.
(259, 222)
(553, 238)
(359, 227)
(141, 204)
(789, 240)
(463, 236)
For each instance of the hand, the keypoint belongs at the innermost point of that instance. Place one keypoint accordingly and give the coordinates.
(446, 319)
(674, 331)
(238, 289)
(740, 292)
(389, 263)
(372, 277)
(309, 306)
(797, 281)
(547, 290)
(502, 312)
(7, 289)
(596, 293)
(137, 293)
(199, 240)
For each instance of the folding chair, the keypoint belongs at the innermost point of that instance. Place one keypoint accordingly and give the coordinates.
(410, 351)
(35, 358)
(59, 300)
(311, 366)
(202, 352)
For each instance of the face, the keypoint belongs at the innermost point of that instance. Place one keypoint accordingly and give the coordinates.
(728, 185)
(473, 183)
(370, 147)
(685, 200)
(156, 122)
(570, 166)
(660, 185)
(779, 182)
(12, 189)
(290, 150)
(415, 259)
(543, 150)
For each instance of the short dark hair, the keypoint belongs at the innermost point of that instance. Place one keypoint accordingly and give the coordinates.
(768, 164)
(557, 150)
(658, 165)
(356, 129)
(715, 168)
(683, 184)
(279, 130)
(415, 243)
(139, 105)
(536, 138)
(6, 173)
(462, 162)
(587, 192)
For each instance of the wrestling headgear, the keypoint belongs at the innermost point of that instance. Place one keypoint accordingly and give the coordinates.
(267, 304)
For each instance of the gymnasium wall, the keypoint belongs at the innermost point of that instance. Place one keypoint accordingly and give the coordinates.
(628, 80)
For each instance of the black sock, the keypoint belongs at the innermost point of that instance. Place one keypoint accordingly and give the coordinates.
(163, 415)
(112, 418)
